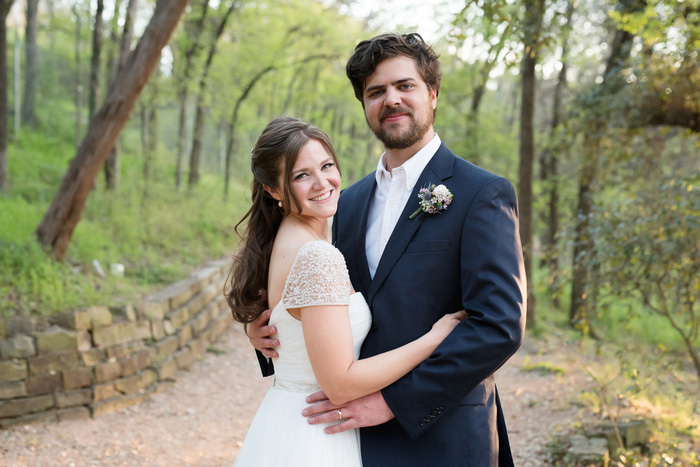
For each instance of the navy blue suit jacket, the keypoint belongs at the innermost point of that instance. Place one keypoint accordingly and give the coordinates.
(466, 257)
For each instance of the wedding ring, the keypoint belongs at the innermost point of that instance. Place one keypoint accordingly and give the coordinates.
(340, 415)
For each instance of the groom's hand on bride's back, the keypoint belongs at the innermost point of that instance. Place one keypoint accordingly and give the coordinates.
(369, 410)
(260, 335)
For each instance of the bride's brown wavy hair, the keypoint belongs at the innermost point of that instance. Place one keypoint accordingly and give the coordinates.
(276, 150)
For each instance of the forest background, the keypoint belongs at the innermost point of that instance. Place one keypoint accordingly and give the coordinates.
(126, 126)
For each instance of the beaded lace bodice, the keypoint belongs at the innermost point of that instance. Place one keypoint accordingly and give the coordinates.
(318, 276)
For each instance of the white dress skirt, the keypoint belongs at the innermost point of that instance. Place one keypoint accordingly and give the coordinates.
(279, 435)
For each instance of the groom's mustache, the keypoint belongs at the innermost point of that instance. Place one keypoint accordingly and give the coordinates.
(395, 110)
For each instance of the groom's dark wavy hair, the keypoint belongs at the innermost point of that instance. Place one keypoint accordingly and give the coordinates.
(369, 53)
(273, 155)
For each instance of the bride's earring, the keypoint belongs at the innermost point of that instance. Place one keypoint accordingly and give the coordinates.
(279, 203)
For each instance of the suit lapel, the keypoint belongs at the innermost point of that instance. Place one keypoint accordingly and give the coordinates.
(361, 207)
(438, 169)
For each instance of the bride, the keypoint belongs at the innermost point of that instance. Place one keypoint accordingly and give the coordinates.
(321, 322)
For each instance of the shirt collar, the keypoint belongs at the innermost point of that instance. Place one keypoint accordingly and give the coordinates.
(413, 167)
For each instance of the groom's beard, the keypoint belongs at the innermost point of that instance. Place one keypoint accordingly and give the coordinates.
(396, 138)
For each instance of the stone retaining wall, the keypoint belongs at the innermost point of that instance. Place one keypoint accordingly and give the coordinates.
(97, 360)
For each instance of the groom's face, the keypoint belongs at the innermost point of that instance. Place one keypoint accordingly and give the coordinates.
(399, 106)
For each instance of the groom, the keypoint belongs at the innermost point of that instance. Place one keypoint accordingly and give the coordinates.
(414, 270)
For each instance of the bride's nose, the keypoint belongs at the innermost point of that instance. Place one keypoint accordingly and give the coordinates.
(319, 182)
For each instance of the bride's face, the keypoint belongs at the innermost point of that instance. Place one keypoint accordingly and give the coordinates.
(315, 182)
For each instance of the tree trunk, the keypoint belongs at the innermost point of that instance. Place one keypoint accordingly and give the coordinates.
(149, 124)
(583, 244)
(51, 29)
(232, 124)
(527, 149)
(472, 132)
(149, 137)
(533, 21)
(58, 224)
(78, 79)
(112, 69)
(478, 94)
(191, 52)
(550, 168)
(113, 164)
(113, 48)
(291, 90)
(181, 135)
(95, 62)
(4, 158)
(153, 116)
(145, 143)
(196, 154)
(127, 34)
(18, 83)
(30, 65)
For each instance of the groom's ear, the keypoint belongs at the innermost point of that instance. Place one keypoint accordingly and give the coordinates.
(272, 191)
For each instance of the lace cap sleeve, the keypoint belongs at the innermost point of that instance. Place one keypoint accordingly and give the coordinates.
(319, 276)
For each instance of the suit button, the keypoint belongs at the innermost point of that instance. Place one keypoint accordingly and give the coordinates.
(423, 422)
(439, 410)
(373, 328)
(435, 413)
(430, 418)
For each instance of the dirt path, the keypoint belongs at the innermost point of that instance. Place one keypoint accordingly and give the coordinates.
(202, 419)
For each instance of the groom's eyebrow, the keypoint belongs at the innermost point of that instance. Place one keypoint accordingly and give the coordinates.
(393, 83)
(376, 86)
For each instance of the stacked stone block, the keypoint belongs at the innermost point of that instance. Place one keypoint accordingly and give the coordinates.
(101, 359)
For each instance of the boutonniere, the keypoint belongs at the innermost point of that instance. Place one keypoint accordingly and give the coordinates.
(433, 199)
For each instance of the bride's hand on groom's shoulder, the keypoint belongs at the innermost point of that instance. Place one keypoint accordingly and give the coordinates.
(259, 335)
(366, 411)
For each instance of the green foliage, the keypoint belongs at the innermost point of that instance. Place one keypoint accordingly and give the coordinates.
(306, 77)
(650, 249)
(670, 23)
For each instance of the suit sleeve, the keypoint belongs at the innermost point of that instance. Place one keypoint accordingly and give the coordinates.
(493, 292)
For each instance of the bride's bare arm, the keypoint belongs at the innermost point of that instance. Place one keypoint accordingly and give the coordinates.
(328, 337)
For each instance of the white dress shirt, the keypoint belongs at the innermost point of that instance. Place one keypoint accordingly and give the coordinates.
(390, 198)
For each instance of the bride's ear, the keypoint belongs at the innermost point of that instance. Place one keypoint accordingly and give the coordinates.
(273, 192)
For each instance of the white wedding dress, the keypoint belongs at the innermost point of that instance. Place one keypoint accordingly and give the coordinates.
(279, 435)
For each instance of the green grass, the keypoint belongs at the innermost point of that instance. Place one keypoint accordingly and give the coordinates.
(615, 320)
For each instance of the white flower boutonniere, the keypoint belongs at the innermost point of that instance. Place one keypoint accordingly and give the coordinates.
(433, 199)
